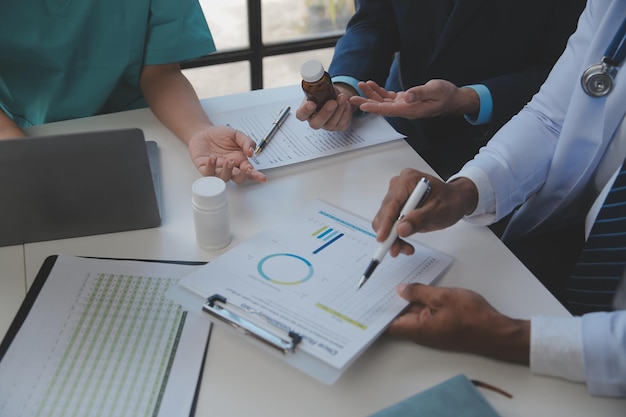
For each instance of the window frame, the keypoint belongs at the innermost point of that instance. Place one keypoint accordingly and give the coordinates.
(257, 51)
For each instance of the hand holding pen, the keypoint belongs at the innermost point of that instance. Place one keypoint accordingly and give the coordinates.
(272, 131)
(415, 200)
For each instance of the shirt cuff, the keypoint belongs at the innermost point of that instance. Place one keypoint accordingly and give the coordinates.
(351, 81)
(486, 105)
(354, 83)
(485, 212)
(604, 355)
(556, 347)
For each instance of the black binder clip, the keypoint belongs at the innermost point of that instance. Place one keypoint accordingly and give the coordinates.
(216, 306)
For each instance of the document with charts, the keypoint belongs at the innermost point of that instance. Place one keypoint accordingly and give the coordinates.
(295, 141)
(301, 275)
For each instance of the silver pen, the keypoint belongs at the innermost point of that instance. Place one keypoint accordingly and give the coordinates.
(270, 133)
(417, 197)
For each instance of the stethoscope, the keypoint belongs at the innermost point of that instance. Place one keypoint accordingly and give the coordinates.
(597, 80)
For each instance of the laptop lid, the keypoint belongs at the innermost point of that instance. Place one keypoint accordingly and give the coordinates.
(79, 184)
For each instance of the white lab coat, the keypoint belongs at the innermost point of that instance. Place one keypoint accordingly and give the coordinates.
(546, 159)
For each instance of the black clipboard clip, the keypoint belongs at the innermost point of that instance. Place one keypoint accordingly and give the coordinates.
(216, 306)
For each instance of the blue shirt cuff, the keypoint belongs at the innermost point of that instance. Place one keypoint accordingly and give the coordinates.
(352, 82)
(486, 105)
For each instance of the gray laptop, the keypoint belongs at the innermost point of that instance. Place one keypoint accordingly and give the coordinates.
(80, 184)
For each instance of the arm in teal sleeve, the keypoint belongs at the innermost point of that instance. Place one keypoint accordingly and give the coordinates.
(486, 105)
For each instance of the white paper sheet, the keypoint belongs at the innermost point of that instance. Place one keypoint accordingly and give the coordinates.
(102, 340)
(302, 275)
(295, 141)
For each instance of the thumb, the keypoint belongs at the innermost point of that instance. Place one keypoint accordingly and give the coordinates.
(244, 141)
(416, 94)
(418, 293)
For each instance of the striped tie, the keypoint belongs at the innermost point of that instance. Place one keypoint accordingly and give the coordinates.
(601, 264)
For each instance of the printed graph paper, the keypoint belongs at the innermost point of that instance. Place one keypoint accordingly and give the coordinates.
(102, 344)
(119, 325)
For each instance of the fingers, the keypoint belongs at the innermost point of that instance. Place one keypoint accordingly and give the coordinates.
(419, 93)
(437, 90)
(374, 91)
(438, 97)
(256, 176)
(425, 313)
(389, 109)
(228, 171)
(335, 115)
(320, 119)
(246, 143)
(358, 101)
(342, 119)
(377, 100)
(223, 152)
(247, 172)
(410, 323)
(425, 295)
(445, 205)
(434, 98)
(212, 169)
(400, 187)
(401, 247)
(305, 111)
(460, 320)
(206, 165)
(421, 321)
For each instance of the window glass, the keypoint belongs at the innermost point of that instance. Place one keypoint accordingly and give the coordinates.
(228, 21)
(296, 19)
(283, 21)
(284, 70)
(219, 80)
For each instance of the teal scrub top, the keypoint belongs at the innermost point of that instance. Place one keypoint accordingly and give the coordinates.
(65, 59)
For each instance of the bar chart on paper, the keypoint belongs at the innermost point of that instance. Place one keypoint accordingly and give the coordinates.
(292, 269)
(110, 353)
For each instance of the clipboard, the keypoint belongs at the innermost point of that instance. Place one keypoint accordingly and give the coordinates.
(217, 306)
(292, 289)
(274, 341)
(59, 270)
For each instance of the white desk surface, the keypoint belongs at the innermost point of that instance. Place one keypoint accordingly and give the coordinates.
(240, 380)
(12, 283)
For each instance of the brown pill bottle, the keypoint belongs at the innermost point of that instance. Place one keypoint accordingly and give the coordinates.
(316, 83)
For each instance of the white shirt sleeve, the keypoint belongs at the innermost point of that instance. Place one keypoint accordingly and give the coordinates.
(556, 347)
(484, 213)
(590, 349)
(604, 347)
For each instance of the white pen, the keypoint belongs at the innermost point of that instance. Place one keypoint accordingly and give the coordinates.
(270, 133)
(416, 199)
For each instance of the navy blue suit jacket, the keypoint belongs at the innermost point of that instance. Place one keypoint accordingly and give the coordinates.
(507, 45)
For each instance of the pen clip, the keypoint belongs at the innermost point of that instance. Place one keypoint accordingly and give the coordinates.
(282, 115)
(425, 196)
(216, 306)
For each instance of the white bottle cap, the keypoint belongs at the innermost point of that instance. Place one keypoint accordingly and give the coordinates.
(312, 71)
(208, 192)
